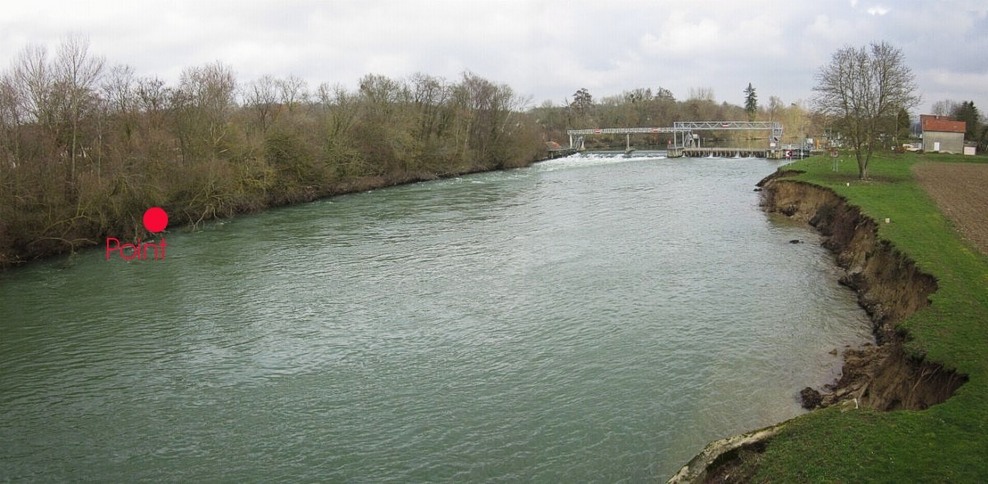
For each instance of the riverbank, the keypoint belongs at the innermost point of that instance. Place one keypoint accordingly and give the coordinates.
(923, 287)
(212, 147)
(187, 221)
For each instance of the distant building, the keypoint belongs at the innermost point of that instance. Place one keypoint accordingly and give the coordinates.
(941, 133)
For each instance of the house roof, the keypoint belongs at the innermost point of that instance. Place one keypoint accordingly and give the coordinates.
(941, 124)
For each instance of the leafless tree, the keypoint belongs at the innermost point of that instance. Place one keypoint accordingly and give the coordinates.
(861, 89)
(77, 73)
(152, 98)
(293, 91)
(33, 78)
(702, 94)
(260, 98)
(118, 89)
(203, 104)
(11, 117)
(339, 108)
(944, 107)
(490, 106)
(429, 95)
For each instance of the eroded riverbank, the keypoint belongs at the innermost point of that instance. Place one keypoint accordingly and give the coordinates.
(885, 376)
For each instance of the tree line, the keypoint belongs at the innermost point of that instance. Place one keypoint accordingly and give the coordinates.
(86, 147)
(645, 107)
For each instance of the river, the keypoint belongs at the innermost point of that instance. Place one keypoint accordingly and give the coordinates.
(591, 318)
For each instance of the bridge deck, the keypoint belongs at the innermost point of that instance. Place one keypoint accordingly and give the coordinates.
(687, 126)
(682, 131)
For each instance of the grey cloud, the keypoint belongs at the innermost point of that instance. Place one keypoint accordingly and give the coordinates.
(545, 49)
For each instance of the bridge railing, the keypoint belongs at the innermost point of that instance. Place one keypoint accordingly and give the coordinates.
(584, 132)
(684, 128)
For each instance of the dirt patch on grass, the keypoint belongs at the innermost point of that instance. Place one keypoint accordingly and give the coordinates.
(960, 191)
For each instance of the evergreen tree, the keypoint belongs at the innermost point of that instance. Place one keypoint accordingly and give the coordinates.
(582, 101)
(967, 112)
(750, 102)
(902, 124)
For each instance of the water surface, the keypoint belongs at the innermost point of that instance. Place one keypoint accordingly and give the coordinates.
(594, 318)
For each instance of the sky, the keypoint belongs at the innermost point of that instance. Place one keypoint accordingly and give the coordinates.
(543, 49)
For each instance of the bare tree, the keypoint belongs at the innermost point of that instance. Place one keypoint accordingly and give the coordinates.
(861, 90)
(11, 117)
(204, 103)
(702, 94)
(115, 106)
(77, 73)
(293, 91)
(33, 78)
(339, 107)
(775, 107)
(944, 107)
(338, 111)
(429, 95)
(490, 107)
(210, 87)
(118, 89)
(260, 98)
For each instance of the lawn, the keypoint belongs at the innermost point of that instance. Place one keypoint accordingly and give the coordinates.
(947, 442)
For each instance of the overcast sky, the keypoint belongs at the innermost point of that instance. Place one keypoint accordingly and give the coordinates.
(545, 50)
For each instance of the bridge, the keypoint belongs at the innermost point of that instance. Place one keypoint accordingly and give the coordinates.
(685, 142)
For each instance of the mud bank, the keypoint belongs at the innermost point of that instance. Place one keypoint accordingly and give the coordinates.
(889, 287)
(884, 375)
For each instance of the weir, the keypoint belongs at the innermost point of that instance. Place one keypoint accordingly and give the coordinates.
(687, 143)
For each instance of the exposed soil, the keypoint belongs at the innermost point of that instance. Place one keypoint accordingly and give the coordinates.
(960, 191)
(886, 378)
(890, 288)
(889, 285)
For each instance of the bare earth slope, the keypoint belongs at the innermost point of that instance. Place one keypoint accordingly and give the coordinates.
(960, 190)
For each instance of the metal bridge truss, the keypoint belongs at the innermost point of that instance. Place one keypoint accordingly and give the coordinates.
(682, 131)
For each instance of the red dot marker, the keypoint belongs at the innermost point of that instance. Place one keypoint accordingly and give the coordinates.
(155, 220)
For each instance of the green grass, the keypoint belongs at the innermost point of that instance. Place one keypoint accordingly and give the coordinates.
(947, 442)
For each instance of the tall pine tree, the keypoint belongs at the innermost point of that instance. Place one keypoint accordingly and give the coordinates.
(750, 102)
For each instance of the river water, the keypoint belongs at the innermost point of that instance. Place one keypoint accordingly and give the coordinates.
(593, 318)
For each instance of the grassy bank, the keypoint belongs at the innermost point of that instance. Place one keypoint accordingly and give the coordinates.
(947, 442)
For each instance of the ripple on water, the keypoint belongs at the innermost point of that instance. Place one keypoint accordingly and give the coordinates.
(590, 318)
